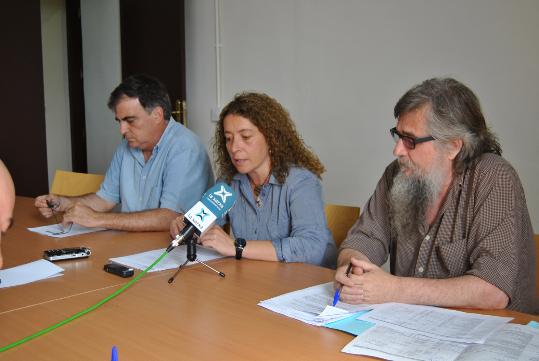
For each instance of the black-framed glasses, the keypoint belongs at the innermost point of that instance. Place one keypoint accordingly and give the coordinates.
(408, 141)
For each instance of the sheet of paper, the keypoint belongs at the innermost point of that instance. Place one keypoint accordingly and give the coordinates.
(174, 259)
(511, 342)
(392, 344)
(440, 323)
(57, 231)
(311, 305)
(351, 324)
(30, 272)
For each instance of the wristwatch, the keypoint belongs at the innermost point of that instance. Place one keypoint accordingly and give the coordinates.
(240, 244)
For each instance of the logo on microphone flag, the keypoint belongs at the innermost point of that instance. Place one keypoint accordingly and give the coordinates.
(215, 203)
(223, 193)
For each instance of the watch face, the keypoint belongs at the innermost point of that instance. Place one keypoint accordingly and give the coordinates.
(240, 242)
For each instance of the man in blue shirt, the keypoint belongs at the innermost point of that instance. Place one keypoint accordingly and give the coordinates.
(159, 170)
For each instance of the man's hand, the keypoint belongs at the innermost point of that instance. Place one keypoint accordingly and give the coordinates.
(217, 239)
(81, 214)
(43, 204)
(349, 283)
(369, 284)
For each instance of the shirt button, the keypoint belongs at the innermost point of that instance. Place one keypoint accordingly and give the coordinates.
(427, 237)
(420, 269)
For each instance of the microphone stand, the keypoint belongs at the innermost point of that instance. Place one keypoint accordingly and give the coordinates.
(192, 257)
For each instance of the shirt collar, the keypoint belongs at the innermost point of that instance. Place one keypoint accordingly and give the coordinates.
(163, 140)
(243, 178)
(165, 137)
(453, 192)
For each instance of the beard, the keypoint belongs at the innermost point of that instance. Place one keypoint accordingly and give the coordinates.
(410, 198)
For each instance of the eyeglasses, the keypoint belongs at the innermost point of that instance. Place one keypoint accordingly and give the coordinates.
(408, 142)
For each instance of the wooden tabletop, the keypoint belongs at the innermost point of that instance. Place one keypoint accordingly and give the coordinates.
(200, 316)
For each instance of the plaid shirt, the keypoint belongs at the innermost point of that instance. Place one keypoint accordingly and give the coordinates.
(482, 229)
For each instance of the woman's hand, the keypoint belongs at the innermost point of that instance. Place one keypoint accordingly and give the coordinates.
(217, 239)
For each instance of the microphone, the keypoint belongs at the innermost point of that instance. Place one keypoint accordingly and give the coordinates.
(215, 204)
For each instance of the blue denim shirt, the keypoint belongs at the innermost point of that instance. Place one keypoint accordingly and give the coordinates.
(291, 215)
(175, 176)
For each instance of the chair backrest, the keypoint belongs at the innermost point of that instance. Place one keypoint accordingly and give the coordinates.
(75, 184)
(537, 263)
(340, 219)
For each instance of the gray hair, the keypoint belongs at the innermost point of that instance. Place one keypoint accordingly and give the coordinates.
(453, 113)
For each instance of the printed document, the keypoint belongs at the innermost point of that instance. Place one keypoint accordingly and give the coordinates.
(30, 272)
(435, 322)
(58, 231)
(174, 259)
(392, 344)
(510, 342)
(312, 305)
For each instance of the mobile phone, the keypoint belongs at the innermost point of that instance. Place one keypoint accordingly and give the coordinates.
(119, 270)
(66, 253)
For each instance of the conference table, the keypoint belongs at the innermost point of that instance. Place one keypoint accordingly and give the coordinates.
(200, 316)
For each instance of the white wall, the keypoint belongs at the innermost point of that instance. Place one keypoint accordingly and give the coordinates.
(56, 86)
(339, 67)
(102, 73)
(200, 66)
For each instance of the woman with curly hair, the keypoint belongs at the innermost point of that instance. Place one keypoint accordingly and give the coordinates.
(279, 213)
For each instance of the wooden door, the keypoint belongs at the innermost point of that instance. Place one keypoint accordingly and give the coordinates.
(153, 42)
(22, 125)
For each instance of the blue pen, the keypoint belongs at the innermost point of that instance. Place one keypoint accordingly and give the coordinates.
(114, 355)
(338, 290)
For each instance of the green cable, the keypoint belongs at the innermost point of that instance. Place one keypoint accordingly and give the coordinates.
(81, 313)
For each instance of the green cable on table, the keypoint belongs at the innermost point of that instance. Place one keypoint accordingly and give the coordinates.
(81, 313)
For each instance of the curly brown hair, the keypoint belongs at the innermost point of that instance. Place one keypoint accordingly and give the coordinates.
(272, 119)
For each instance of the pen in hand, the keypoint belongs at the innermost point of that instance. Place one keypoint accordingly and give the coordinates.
(53, 206)
(338, 290)
(54, 209)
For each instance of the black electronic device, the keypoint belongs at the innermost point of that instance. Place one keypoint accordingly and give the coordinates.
(240, 244)
(66, 253)
(119, 270)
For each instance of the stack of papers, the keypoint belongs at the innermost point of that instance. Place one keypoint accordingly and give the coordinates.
(395, 331)
(174, 259)
(312, 305)
(506, 343)
(412, 332)
(30, 272)
(439, 323)
(58, 231)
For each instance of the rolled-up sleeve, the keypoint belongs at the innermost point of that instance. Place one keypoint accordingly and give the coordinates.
(499, 241)
(110, 188)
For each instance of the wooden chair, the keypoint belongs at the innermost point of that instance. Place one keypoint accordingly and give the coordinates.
(340, 219)
(75, 184)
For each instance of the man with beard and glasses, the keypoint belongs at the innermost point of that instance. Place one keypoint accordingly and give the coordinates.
(159, 169)
(449, 212)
